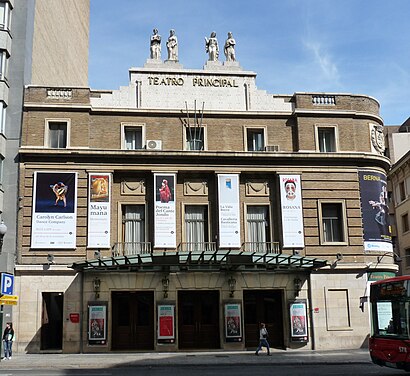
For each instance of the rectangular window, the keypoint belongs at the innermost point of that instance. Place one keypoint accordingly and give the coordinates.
(133, 229)
(332, 222)
(194, 138)
(258, 229)
(407, 257)
(4, 15)
(2, 117)
(255, 139)
(133, 138)
(405, 222)
(57, 134)
(3, 64)
(196, 227)
(326, 139)
(402, 191)
(1, 171)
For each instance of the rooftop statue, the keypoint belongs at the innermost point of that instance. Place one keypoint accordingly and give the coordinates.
(229, 48)
(155, 46)
(172, 46)
(211, 46)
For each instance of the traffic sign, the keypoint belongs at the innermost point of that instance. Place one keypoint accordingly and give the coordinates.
(9, 297)
(8, 302)
(7, 282)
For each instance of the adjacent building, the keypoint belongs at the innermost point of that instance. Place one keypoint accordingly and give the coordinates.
(34, 36)
(182, 210)
(398, 141)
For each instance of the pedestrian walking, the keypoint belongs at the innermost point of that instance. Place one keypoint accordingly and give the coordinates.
(8, 338)
(263, 339)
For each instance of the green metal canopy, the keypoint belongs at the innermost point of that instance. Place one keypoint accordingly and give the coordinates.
(201, 261)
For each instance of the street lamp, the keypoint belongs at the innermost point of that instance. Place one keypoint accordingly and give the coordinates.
(3, 230)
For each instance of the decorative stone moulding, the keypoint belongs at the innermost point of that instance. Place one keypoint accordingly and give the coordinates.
(133, 188)
(257, 188)
(195, 188)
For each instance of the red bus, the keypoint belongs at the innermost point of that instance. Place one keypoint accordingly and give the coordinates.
(389, 342)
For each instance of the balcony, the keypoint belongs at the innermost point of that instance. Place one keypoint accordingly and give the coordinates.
(140, 248)
(263, 247)
(131, 248)
(197, 247)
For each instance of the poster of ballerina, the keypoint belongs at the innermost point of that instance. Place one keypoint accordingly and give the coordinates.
(54, 215)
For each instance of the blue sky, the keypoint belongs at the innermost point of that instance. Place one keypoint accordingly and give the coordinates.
(349, 46)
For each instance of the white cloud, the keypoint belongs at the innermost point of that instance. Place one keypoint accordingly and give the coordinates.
(327, 66)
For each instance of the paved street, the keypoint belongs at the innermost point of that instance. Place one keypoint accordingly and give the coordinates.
(308, 363)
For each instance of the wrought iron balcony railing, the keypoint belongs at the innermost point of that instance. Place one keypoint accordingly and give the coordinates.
(197, 247)
(131, 248)
(261, 247)
(138, 248)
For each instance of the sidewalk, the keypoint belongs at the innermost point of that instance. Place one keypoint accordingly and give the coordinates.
(110, 360)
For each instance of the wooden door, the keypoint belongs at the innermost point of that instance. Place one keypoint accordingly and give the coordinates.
(132, 320)
(263, 306)
(198, 320)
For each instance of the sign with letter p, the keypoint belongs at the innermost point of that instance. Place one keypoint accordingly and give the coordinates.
(7, 283)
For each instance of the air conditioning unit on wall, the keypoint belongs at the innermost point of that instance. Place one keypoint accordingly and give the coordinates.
(154, 145)
(272, 148)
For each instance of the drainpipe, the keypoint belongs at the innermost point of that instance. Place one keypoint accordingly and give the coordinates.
(312, 327)
(81, 310)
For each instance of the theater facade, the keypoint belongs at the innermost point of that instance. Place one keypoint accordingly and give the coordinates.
(180, 211)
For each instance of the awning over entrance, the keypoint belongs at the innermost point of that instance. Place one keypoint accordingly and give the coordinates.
(202, 261)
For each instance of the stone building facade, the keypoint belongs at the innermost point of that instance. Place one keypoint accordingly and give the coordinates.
(398, 142)
(33, 37)
(181, 211)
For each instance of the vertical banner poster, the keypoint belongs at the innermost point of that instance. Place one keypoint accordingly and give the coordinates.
(375, 212)
(97, 324)
(166, 320)
(229, 224)
(233, 322)
(291, 211)
(164, 211)
(99, 209)
(298, 321)
(54, 215)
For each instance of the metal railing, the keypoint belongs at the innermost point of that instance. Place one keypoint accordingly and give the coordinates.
(262, 247)
(131, 248)
(139, 248)
(197, 247)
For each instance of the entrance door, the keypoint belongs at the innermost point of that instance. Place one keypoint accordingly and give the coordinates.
(132, 320)
(263, 306)
(52, 321)
(198, 319)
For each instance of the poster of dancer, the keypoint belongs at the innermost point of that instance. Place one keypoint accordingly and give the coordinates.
(375, 211)
(54, 215)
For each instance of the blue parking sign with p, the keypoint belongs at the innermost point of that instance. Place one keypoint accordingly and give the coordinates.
(7, 283)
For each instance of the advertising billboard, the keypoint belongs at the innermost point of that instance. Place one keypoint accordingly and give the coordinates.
(164, 210)
(99, 210)
(229, 221)
(375, 212)
(54, 215)
(291, 211)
